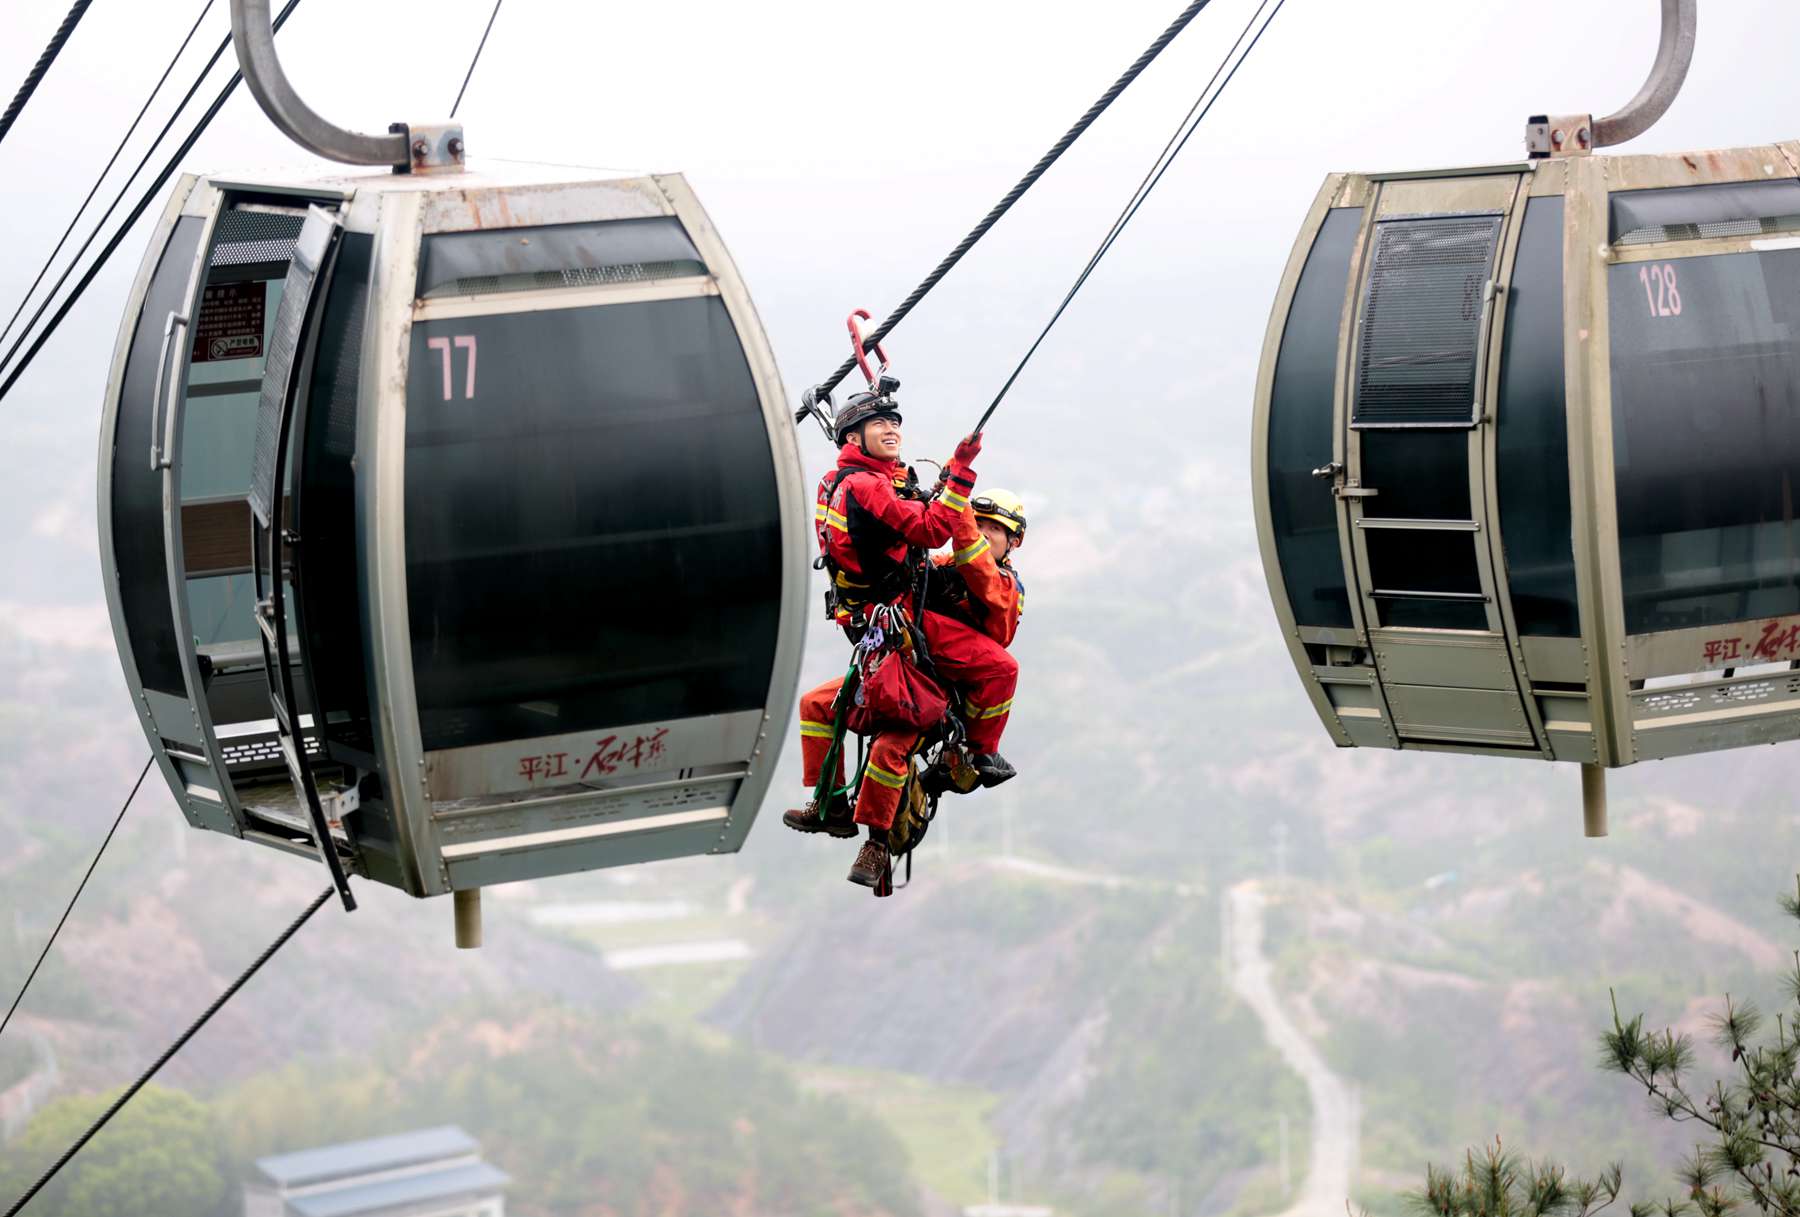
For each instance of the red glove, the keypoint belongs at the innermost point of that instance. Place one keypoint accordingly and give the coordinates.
(969, 449)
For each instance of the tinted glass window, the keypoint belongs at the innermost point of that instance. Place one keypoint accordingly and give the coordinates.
(228, 349)
(1301, 510)
(1404, 559)
(139, 546)
(562, 255)
(1532, 436)
(1685, 212)
(326, 574)
(1422, 321)
(1706, 437)
(1422, 475)
(1433, 614)
(591, 521)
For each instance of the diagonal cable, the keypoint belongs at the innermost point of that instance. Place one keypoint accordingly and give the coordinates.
(100, 224)
(95, 189)
(168, 1053)
(79, 888)
(477, 59)
(143, 204)
(1167, 158)
(1012, 196)
(38, 69)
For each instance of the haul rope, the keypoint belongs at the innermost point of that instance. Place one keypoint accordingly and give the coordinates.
(1191, 122)
(42, 65)
(143, 1079)
(79, 888)
(1012, 196)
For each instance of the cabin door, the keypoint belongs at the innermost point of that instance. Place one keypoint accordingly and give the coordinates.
(1414, 487)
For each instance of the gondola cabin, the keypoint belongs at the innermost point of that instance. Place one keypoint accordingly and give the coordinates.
(1527, 456)
(458, 513)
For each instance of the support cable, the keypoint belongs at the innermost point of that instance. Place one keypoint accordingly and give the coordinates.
(1171, 150)
(477, 59)
(1012, 196)
(38, 69)
(143, 204)
(129, 132)
(168, 1053)
(42, 955)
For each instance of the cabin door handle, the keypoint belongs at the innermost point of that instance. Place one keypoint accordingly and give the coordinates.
(161, 445)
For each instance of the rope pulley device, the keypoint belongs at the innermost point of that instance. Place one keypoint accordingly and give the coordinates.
(368, 434)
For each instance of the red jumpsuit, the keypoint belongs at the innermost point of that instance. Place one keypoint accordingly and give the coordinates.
(974, 658)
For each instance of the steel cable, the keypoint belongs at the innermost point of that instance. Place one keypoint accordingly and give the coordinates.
(129, 132)
(79, 888)
(1191, 122)
(477, 59)
(24, 361)
(1012, 196)
(42, 66)
(181, 1041)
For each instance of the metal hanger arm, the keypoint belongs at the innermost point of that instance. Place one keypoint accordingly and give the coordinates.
(1673, 55)
(254, 38)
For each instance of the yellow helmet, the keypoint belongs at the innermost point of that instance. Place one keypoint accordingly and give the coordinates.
(1003, 507)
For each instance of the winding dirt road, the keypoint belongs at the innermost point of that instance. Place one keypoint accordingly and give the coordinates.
(1334, 1108)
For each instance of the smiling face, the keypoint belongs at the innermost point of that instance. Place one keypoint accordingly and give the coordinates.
(880, 438)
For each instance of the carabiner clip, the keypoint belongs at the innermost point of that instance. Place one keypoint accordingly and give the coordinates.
(856, 344)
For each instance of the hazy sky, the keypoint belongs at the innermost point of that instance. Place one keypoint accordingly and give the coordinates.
(842, 149)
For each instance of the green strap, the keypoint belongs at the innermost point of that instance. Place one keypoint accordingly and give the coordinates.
(823, 792)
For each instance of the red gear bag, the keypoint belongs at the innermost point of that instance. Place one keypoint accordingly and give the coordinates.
(896, 695)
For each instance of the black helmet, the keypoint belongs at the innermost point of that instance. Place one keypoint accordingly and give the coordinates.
(860, 409)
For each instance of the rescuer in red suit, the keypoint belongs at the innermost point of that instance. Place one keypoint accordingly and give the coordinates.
(873, 535)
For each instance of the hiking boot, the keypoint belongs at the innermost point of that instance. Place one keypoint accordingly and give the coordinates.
(871, 866)
(835, 821)
(992, 768)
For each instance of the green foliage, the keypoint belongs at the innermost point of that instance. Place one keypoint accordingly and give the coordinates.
(161, 1154)
(1185, 1087)
(625, 1119)
(1749, 1119)
(1499, 1184)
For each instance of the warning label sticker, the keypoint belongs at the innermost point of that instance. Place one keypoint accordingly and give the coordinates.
(231, 323)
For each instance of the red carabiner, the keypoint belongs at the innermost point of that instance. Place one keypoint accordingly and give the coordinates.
(856, 344)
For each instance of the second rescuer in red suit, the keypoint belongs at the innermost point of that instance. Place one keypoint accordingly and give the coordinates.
(871, 535)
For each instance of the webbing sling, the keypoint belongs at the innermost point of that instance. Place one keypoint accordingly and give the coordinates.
(823, 792)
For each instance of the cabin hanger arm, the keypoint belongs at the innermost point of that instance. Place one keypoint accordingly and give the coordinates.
(253, 36)
(1578, 134)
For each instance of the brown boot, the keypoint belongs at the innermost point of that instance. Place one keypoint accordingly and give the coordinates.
(835, 821)
(871, 866)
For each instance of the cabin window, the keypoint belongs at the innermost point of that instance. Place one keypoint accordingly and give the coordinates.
(1422, 475)
(230, 340)
(1532, 434)
(325, 505)
(139, 545)
(1706, 437)
(592, 534)
(1302, 513)
(1685, 213)
(1421, 324)
(556, 256)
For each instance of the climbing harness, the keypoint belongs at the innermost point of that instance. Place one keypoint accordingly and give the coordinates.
(936, 764)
